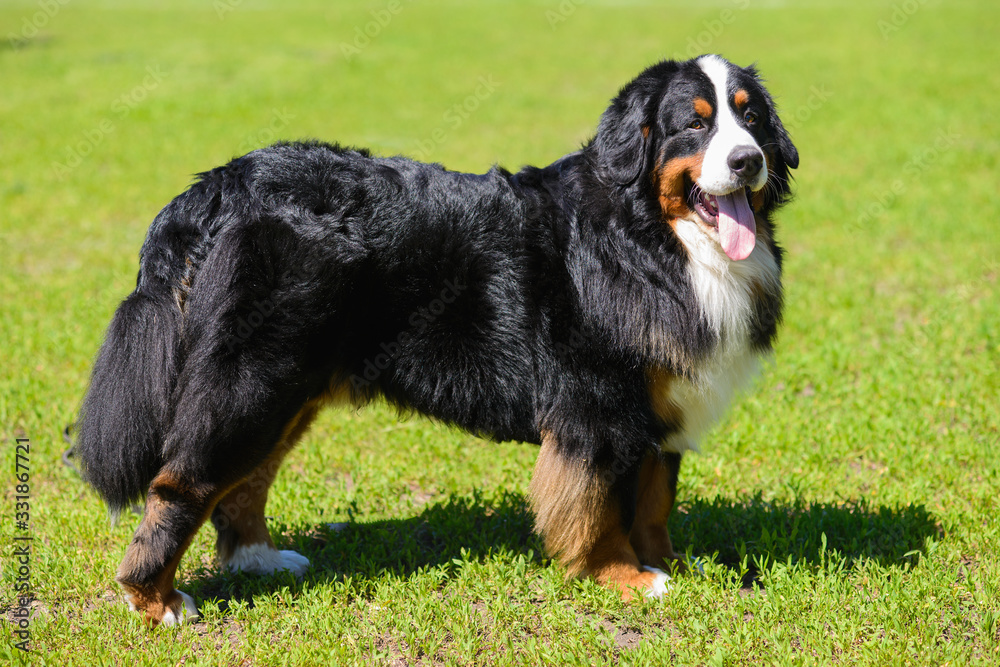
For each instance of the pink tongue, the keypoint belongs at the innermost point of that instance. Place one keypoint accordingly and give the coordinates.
(737, 227)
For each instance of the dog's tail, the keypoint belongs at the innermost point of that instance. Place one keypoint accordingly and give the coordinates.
(119, 430)
(124, 416)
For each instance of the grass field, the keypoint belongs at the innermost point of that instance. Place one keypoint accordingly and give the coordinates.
(846, 509)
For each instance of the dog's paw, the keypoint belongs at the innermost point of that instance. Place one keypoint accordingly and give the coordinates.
(660, 585)
(262, 559)
(186, 611)
(295, 562)
(179, 609)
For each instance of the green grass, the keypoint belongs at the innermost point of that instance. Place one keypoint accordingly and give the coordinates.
(846, 509)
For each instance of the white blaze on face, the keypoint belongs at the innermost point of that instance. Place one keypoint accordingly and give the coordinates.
(735, 226)
(716, 176)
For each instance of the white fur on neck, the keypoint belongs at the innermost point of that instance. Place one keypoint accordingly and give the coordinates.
(724, 289)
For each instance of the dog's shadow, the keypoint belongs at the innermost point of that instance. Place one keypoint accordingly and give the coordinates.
(732, 530)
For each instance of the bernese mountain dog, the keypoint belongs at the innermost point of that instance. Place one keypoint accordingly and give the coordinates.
(606, 307)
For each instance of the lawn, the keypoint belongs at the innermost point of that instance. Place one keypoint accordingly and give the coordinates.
(845, 510)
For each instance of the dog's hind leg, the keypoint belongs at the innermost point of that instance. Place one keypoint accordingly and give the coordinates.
(234, 415)
(257, 349)
(244, 542)
(175, 508)
(208, 458)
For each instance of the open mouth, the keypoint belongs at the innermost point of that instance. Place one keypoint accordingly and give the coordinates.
(707, 206)
(731, 215)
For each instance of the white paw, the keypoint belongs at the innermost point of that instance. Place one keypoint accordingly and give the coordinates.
(188, 613)
(262, 559)
(189, 610)
(294, 562)
(660, 585)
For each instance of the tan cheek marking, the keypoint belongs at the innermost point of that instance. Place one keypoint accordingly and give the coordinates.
(670, 184)
(702, 107)
(645, 131)
(741, 98)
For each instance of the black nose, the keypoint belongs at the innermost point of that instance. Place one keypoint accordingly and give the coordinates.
(746, 162)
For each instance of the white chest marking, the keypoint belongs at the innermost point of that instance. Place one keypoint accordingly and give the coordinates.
(724, 290)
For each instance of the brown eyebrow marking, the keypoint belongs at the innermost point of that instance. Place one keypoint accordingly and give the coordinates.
(702, 107)
(741, 98)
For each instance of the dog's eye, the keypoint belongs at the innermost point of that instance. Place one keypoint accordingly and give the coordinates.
(750, 117)
(696, 125)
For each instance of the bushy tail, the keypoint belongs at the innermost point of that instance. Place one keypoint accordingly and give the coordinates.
(121, 425)
(127, 410)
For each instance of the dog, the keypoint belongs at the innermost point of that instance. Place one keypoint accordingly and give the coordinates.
(606, 307)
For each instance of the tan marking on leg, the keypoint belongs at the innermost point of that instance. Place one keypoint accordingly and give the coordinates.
(338, 394)
(153, 596)
(240, 513)
(152, 599)
(567, 501)
(657, 490)
(581, 523)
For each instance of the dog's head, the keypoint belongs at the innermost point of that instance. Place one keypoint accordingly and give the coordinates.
(704, 139)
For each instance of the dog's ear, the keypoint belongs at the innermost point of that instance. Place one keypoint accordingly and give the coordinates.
(785, 146)
(622, 136)
(788, 151)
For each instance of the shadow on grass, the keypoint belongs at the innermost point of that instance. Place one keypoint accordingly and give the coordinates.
(477, 528)
(782, 530)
